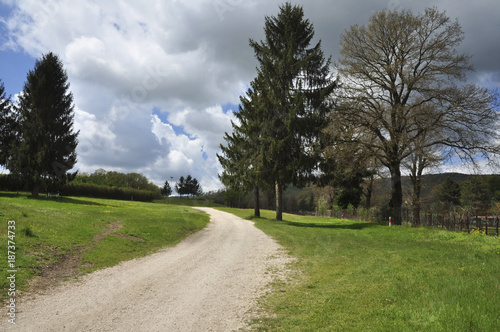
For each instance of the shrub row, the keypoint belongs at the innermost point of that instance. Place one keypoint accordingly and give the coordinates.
(11, 183)
(109, 192)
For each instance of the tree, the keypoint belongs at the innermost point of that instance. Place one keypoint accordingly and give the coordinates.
(8, 130)
(344, 165)
(166, 190)
(293, 85)
(422, 157)
(474, 194)
(188, 186)
(449, 192)
(242, 157)
(400, 76)
(45, 146)
(194, 187)
(180, 186)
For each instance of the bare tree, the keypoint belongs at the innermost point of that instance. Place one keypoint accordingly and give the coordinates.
(403, 80)
(419, 160)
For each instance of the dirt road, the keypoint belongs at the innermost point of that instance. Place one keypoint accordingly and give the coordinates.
(208, 282)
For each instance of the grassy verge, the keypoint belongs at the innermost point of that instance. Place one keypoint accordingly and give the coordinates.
(369, 277)
(188, 201)
(46, 229)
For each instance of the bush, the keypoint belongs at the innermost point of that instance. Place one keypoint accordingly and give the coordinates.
(323, 206)
(109, 192)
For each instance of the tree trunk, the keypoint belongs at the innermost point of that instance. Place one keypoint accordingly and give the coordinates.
(35, 190)
(416, 214)
(256, 202)
(397, 193)
(369, 190)
(279, 201)
(417, 189)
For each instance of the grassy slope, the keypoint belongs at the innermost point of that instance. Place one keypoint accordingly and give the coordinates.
(369, 277)
(61, 225)
(354, 276)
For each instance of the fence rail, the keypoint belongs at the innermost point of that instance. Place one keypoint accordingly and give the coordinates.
(455, 219)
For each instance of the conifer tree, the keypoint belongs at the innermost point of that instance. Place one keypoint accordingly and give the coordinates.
(242, 157)
(45, 146)
(166, 190)
(293, 85)
(7, 126)
(449, 192)
(180, 186)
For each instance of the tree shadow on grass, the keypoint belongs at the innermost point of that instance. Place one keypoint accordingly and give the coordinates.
(58, 199)
(357, 225)
(62, 199)
(10, 194)
(76, 201)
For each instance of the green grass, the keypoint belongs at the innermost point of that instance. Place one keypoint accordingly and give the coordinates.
(47, 228)
(352, 276)
(368, 277)
(188, 201)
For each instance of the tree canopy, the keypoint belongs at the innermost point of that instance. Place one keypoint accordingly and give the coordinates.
(117, 179)
(285, 108)
(8, 131)
(188, 186)
(45, 145)
(402, 80)
(166, 190)
(449, 191)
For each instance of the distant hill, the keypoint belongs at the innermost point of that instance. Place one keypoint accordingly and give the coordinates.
(430, 182)
(297, 199)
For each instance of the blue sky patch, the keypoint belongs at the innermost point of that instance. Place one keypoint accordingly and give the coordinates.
(229, 108)
(178, 130)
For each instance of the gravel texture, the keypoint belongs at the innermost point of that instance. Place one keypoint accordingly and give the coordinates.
(209, 282)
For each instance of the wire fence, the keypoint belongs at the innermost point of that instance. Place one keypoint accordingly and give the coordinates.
(477, 218)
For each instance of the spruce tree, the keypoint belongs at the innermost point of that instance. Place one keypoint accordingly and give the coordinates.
(7, 126)
(449, 191)
(166, 190)
(180, 186)
(242, 157)
(45, 147)
(293, 85)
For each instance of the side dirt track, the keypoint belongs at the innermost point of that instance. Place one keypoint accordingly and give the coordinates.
(209, 282)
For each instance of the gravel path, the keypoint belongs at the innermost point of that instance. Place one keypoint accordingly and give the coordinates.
(208, 282)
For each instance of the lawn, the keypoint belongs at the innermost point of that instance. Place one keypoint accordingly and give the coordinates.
(349, 276)
(46, 229)
(356, 276)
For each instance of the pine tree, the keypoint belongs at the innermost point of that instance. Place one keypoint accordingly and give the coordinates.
(166, 190)
(242, 157)
(195, 188)
(188, 186)
(293, 85)
(449, 192)
(180, 186)
(7, 126)
(45, 147)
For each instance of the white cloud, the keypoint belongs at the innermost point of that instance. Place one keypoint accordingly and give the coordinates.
(126, 58)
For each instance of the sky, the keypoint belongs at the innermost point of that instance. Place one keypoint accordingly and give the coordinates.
(155, 82)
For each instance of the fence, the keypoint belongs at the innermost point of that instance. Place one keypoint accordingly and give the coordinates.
(437, 215)
(460, 219)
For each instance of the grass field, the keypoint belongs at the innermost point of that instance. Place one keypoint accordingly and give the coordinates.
(369, 277)
(351, 276)
(48, 229)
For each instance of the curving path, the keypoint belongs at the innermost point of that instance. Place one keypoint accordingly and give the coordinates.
(208, 282)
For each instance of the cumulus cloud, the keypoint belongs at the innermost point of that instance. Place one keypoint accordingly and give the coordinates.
(149, 78)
